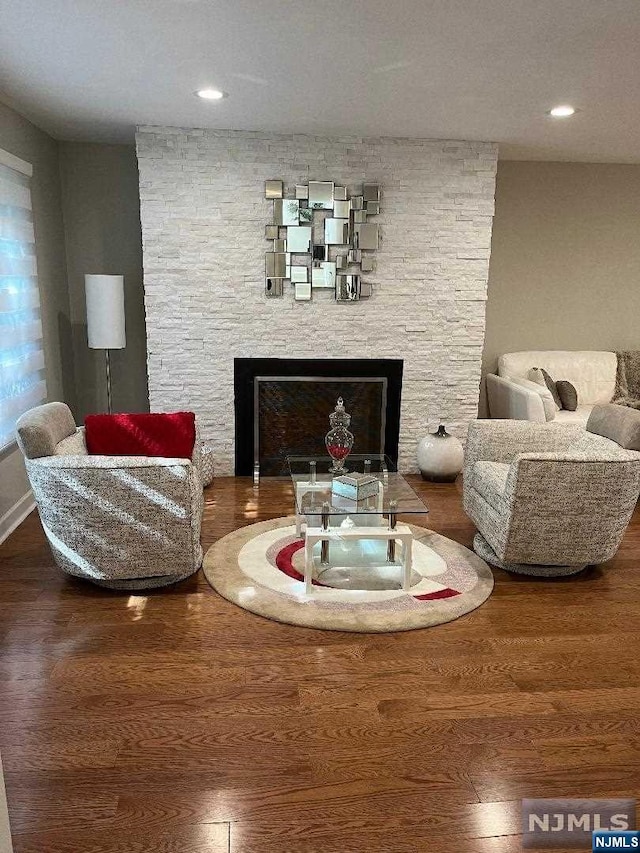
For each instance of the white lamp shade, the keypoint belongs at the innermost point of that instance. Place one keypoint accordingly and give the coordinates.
(105, 311)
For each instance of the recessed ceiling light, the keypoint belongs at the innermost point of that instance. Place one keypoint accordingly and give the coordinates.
(563, 111)
(211, 94)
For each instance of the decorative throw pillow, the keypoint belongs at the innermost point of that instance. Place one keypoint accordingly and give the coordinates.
(541, 377)
(568, 395)
(169, 435)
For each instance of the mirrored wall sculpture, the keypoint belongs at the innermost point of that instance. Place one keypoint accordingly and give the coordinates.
(328, 230)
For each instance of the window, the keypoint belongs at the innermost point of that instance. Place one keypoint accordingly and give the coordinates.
(22, 382)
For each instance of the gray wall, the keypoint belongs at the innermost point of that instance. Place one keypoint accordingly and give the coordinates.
(102, 226)
(565, 259)
(20, 137)
(86, 214)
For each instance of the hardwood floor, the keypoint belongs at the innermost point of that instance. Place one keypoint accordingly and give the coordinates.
(175, 722)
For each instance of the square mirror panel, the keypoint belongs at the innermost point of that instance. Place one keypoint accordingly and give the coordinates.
(321, 194)
(303, 292)
(274, 287)
(306, 215)
(336, 232)
(341, 209)
(347, 288)
(324, 275)
(276, 264)
(366, 236)
(339, 193)
(371, 192)
(273, 189)
(298, 239)
(286, 211)
(271, 232)
(367, 263)
(302, 191)
(299, 274)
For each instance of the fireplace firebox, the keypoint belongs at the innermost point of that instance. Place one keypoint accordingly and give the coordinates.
(282, 407)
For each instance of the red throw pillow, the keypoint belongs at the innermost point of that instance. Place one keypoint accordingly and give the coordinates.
(152, 434)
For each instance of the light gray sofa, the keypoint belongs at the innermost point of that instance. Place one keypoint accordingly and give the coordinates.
(547, 499)
(124, 522)
(511, 394)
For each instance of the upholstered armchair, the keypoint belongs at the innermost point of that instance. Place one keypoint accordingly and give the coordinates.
(547, 499)
(124, 522)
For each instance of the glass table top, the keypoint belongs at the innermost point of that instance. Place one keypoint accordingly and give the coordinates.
(394, 494)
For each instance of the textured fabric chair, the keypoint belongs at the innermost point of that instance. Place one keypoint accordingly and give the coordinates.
(547, 499)
(124, 522)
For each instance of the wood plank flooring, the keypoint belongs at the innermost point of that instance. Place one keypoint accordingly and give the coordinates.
(175, 722)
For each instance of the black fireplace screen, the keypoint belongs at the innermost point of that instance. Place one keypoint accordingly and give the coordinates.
(281, 412)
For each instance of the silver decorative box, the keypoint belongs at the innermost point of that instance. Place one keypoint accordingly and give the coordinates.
(356, 487)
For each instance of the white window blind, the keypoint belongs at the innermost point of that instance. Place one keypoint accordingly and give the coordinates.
(22, 382)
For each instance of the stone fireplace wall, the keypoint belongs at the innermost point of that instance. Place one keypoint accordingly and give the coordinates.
(203, 214)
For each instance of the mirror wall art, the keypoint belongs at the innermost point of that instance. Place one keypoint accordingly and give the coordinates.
(322, 239)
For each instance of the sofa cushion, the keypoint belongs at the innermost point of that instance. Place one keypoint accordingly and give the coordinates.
(548, 403)
(618, 423)
(580, 416)
(156, 434)
(490, 479)
(593, 373)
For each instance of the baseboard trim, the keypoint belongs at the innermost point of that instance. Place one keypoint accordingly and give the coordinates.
(16, 515)
(5, 829)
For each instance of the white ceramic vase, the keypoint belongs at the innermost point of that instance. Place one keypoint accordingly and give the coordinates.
(440, 456)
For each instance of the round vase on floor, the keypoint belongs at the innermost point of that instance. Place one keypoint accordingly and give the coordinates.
(440, 456)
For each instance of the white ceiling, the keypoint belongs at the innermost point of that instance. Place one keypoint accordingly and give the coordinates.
(457, 69)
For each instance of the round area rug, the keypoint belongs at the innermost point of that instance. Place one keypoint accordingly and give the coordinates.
(260, 568)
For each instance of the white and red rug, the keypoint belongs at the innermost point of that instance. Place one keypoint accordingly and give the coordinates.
(260, 568)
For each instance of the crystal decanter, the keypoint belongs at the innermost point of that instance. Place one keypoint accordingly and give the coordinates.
(339, 440)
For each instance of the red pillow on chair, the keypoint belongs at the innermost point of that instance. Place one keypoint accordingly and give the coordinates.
(152, 434)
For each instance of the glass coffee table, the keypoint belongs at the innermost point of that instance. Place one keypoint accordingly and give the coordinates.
(354, 534)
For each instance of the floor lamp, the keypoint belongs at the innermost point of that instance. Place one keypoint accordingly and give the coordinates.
(105, 317)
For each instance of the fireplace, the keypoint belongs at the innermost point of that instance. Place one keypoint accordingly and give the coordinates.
(282, 407)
